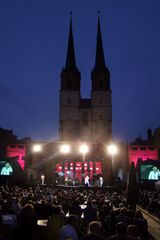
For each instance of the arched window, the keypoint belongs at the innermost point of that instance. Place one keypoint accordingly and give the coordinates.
(69, 83)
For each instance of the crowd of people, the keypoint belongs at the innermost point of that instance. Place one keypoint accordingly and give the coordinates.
(150, 200)
(69, 214)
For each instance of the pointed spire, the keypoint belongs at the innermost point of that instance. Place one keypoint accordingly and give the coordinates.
(100, 60)
(70, 60)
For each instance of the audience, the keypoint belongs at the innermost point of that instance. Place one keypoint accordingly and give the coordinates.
(71, 214)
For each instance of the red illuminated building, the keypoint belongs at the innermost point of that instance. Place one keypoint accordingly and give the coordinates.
(19, 151)
(142, 152)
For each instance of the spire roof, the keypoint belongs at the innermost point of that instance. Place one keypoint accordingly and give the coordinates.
(70, 60)
(100, 60)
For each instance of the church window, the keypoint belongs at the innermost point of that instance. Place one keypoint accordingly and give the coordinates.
(69, 83)
(151, 148)
(101, 83)
(134, 148)
(142, 148)
(85, 122)
(85, 118)
(94, 125)
(20, 147)
(69, 100)
(85, 115)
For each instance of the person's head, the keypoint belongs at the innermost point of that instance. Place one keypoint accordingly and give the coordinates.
(121, 205)
(7, 165)
(56, 210)
(121, 228)
(139, 214)
(132, 230)
(95, 227)
(89, 204)
(123, 210)
(154, 169)
(72, 220)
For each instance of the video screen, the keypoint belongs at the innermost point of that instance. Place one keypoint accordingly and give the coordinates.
(150, 172)
(6, 168)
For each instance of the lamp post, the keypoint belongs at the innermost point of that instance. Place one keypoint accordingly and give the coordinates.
(112, 150)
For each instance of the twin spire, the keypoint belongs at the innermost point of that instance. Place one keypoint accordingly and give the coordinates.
(99, 61)
(70, 60)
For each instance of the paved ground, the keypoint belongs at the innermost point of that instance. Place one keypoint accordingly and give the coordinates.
(153, 224)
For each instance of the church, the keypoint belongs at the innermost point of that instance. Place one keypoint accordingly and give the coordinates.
(85, 119)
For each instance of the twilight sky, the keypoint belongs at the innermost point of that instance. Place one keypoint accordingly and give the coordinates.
(33, 44)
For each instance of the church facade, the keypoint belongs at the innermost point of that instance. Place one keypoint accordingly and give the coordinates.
(85, 119)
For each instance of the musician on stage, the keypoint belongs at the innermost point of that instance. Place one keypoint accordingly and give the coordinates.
(66, 180)
(101, 181)
(86, 181)
(42, 179)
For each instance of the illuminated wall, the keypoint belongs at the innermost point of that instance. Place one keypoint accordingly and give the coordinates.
(19, 151)
(143, 152)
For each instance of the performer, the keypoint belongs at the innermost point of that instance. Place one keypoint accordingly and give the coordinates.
(86, 181)
(154, 174)
(7, 169)
(42, 179)
(101, 181)
(66, 180)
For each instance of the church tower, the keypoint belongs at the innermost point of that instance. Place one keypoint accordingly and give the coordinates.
(69, 95)
(101, 95)
(85, 119)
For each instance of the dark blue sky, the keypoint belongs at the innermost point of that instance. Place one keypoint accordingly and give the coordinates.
(33, 44)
